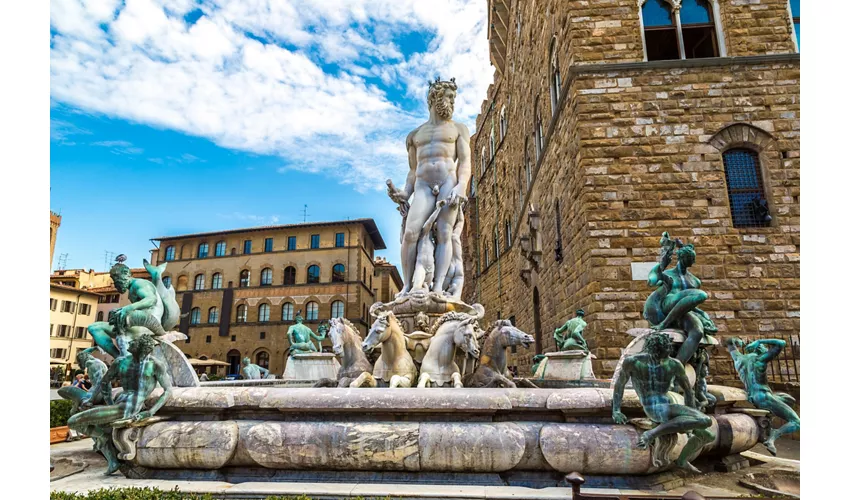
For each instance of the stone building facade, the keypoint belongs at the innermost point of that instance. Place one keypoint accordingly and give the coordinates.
(596, 137)
(71, 311)
(388, 281)
(241, 288)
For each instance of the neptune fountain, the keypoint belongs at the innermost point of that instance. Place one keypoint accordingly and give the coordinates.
(439, 400)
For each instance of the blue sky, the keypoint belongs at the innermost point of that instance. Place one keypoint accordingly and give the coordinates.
(185, 116)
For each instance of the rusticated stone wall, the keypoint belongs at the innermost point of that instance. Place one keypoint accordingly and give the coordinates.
(633, 149)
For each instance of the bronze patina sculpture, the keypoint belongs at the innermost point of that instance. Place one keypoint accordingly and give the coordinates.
(152, 306)
(251, 371)
(752, 370)
(573, 338)
(139, 374)
(674, 303)
(96, 369)
(651, 372)
(299, 337)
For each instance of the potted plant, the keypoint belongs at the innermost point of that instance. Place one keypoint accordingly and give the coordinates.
(60, 412)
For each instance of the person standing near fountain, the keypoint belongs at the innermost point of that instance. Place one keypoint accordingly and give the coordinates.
(440, 168)
(651, 372)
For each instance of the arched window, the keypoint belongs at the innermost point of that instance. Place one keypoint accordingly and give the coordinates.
(199, 282)
(216, 281)
(166, 280)
(242, 313)
(313, 274)
(212, 315)
(503, 123)
(691, 32)
(203, 250)
(221, 249)
(262, 359)
(245, 278)
(745, 188)
(508, 236)
(266, 277)
(794, 7)
(287, 312)
(492, 143)
(99, 316)
(519, 187)
(289, 276)
(538, 131)
(264, 313)
(338, 273)
(554, 76)
(483, 159)
(182, 283)
(312, 311)
(337, 309)
(169, 252)
(195, 317)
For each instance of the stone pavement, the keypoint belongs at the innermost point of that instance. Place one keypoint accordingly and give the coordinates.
(92, 478)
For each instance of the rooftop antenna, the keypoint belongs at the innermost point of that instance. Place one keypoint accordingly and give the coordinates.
(63, 261)
(108, 258)
(304, 213)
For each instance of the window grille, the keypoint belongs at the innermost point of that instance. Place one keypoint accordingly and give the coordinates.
(745, 188)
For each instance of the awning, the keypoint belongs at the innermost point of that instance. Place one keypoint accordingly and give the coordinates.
(56, 361)
(207, 362)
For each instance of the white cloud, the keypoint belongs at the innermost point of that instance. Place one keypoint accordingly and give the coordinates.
(142, 61)
(120, 147)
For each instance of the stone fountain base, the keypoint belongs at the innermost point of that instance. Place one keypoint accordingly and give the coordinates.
(566, 365)
(311, 366)
(279, 433)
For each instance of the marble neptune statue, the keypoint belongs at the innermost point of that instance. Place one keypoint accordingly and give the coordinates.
(440, 168)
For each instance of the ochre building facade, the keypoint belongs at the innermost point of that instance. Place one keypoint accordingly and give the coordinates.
(612, 121)
(242, 288)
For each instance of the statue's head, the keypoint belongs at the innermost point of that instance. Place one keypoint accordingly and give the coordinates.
(298, 318)
(580, 313)
(441, 97)
(757, 349)
(142, 346)
(658, 345)
(686, 255)
(121, 276)
(83, 357)
(246, 361)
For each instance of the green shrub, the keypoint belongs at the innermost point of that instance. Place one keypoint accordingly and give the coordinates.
(153, 494)
(215, 376)
(60, 412)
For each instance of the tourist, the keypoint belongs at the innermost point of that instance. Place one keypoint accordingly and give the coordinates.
(204, 377)
(87, 382)
(78, 381)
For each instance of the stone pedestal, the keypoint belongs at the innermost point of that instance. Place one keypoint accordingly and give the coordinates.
(311, 366)
(566, 365)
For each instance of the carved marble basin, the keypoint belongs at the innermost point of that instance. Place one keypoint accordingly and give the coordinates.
(225, 430)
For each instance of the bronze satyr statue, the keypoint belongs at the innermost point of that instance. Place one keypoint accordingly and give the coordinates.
(752, 370)
(651, 372)
(573, 339)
